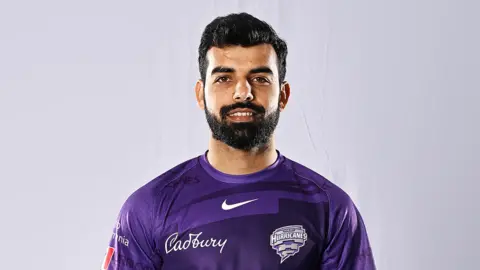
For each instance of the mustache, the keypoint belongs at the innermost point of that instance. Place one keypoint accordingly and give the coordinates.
(244, 105)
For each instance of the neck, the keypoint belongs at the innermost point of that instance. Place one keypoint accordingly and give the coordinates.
(237, 162)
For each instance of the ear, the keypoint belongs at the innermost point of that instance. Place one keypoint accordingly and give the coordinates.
(199, 93)
(284, 95)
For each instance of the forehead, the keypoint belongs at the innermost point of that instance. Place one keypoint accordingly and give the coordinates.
(242, 58)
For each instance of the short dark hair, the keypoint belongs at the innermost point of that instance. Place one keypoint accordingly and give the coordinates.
(241, 29)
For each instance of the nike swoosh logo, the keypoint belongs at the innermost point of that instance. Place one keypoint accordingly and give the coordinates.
(226, 206)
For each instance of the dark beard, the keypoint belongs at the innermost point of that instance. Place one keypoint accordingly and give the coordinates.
(243, 136)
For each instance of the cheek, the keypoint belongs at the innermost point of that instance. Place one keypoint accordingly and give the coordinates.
(213, 104)
(273, 107)
(272, 103)
(217, 99)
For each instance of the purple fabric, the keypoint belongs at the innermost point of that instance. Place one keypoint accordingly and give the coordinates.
(195, 217)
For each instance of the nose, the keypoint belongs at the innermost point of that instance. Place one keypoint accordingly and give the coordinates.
(243, 92)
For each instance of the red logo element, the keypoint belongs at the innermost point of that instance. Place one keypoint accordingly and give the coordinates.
(108, 258)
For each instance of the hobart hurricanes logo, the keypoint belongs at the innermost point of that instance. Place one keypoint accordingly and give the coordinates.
(288, 240)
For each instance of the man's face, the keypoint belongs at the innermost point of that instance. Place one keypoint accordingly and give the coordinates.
(241, 95)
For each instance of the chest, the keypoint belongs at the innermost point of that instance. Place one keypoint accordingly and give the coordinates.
(265, 229)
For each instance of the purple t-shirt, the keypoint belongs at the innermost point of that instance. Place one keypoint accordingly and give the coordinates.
(195, 217)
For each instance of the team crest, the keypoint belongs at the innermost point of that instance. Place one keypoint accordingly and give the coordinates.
(288, 240)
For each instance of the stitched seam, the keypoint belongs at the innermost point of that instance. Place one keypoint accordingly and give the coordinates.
(153, 218)
(324, 190)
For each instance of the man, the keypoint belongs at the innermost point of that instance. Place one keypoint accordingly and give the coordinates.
(242, 204)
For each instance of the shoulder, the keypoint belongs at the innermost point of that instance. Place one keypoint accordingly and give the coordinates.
(149, 197)
(342, 211)
(337, 197)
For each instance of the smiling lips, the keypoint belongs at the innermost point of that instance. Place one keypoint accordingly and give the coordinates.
(241, 115)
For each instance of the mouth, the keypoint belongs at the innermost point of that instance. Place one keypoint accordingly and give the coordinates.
(241, 115)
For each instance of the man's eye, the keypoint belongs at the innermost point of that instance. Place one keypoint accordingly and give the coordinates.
(260, 80)
(222, 79)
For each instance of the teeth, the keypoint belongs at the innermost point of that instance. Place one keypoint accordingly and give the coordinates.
(242, 114)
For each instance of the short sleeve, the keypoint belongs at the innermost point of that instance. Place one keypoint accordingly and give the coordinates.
(131, 244)
(348, 244)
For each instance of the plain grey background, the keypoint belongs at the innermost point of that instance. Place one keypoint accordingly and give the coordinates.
(96, 99)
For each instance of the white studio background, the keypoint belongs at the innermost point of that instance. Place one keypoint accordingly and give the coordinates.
(96, 99)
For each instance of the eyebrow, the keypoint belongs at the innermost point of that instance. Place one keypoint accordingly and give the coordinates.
(221, 69)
